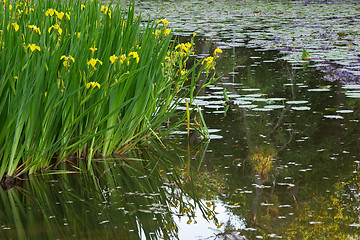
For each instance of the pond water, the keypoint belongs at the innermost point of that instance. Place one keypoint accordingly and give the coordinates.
(283, 157)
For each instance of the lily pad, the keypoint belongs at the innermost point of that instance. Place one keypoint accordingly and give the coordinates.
(240, 102)
(303, 108)
(319, 90)
(214, 106)
(334, 116)
(262, 109)
(353, 95)
(274, 106)
(357, 86)
(297, 102)
(345, 111)
(248, 106)
(250, 89)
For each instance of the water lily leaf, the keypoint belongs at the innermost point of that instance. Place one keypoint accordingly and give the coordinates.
(301, 108)
(345, 111)
(319, 90)
(262, 109)
(297, 102)
(274, 106)
(334, 116)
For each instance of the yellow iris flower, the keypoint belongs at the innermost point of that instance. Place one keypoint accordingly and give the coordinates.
(93, 85)
(113, 58)
(105, 10)
(56, 27)
(167, 31)
(93, 49)
(209, 62)
(218, 50)
(35, 28)
(14, 25)
(60, 15)
(50, 12)
(93, 62)
(184, 47)
(163, 21)
(183, 72)
(122, 58)
(33, 47)
(135, 56)
(66, 59)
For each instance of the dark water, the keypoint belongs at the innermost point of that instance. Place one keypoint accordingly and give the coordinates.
(283, 162)
(288, 158)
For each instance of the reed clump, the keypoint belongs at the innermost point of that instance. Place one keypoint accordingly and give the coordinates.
(78, 79)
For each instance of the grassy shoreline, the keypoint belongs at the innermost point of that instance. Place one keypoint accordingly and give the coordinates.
(78, 80)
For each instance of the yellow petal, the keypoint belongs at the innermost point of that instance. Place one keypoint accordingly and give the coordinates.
(91, 62)
(113, 58)
(16, 26)
(60, 15)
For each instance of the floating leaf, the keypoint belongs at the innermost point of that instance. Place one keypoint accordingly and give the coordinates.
(274, 106)
(319, 90)
(297, 102)
(345, 111)
(334, 116)
(301, 108)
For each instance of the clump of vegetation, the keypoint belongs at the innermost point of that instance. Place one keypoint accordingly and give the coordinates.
(79, 79)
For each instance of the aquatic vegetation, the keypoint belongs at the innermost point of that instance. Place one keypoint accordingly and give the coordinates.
(284, 169)
(305, 55)
(132, 198)
(78, 80)
(329, 36)
(333, 73)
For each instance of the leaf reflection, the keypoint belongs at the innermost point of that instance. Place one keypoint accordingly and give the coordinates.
(131, 198)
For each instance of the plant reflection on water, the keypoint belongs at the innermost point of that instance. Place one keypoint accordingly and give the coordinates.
(289, 172)
(124, 199)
